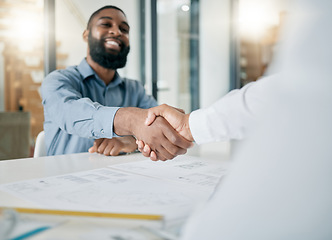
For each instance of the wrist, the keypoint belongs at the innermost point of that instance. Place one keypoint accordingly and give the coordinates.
(187, 127)
(127, 119)
(122, 122)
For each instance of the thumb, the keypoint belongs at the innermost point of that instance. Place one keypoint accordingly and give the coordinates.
(155, 112)
(150, 118)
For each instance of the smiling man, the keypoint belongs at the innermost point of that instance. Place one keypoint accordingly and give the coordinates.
(90, 106)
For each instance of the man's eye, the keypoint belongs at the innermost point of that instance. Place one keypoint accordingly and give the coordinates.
(125, 30)
(106, 24)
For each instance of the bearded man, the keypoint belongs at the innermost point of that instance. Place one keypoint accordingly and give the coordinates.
(87, 107)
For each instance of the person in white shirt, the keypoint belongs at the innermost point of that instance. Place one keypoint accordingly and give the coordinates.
(279, 183)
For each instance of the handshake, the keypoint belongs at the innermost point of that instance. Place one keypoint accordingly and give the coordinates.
(161, 133)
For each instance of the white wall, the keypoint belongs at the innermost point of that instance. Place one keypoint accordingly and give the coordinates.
(214, 50)
(68, 34)
(168, 53)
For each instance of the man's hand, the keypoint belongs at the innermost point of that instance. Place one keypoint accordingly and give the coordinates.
(176, 118)
(160, 135)
(112, 147)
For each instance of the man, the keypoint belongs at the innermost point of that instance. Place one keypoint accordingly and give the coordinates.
(279, 183)
(91, 101)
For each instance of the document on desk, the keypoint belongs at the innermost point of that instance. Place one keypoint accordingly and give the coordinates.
(144, 187)
(193, 171)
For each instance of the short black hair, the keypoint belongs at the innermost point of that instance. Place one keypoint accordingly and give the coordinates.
(100, 9)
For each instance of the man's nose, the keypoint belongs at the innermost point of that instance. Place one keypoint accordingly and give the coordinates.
(115, 31)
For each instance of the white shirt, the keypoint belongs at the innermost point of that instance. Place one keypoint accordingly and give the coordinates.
(232, 116)
(280, 183)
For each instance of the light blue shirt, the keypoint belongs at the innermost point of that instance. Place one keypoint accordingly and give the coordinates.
(79, 107)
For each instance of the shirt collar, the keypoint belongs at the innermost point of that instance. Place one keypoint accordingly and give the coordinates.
(86, 71)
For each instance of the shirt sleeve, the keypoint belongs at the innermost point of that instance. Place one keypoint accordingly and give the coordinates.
(64, 105)
(232, 116)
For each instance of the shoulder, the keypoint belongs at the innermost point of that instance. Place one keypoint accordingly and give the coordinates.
(68, 73)
(69, 77)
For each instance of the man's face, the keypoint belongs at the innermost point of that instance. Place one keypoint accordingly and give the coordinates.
(108, 39)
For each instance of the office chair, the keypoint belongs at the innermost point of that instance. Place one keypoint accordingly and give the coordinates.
(40, 148)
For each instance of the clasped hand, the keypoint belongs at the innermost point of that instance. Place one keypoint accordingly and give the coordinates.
(162, 133)
(175, 117)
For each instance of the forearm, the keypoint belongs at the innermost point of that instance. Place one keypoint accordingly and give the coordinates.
(126, 120)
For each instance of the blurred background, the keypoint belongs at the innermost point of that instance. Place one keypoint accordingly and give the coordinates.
(187, 53)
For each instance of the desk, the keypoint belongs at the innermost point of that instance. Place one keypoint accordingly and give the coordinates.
(31, 168)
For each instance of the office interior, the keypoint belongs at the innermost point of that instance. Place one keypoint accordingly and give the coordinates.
(187, 53)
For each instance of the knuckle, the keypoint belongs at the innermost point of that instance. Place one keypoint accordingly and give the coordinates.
(180, 151)
(174, 139)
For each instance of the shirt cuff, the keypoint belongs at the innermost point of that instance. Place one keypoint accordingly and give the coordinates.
(103, 122)
(200, 127)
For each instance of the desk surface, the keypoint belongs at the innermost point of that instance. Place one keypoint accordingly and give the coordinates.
(28, 168)
(31, 168)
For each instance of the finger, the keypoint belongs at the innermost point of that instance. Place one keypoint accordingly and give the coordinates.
(175, 144)
(153, 156)
(140, 145)
(115, 151)
(169, 144)
(95, 146)
(169, 151)
(107, 150)
(174, 149)
(162, 153)
(102, 146)
(146, 151)
(92, 149)
(177, 140)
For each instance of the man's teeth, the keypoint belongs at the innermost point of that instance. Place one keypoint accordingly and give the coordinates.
(112, 43)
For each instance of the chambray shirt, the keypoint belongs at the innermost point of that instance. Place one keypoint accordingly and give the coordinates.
(79, 107)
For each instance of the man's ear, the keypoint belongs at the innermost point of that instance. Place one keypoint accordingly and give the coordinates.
(85, 35)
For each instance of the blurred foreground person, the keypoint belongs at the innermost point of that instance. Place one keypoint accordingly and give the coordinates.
(279, 186)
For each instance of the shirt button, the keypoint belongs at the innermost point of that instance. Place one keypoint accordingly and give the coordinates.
(102, 131)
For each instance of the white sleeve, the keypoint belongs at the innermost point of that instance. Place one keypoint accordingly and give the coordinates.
(232, 116)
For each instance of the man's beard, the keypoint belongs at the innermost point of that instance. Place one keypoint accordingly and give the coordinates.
(105, 59)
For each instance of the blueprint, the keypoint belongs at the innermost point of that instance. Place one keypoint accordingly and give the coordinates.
(166, 188)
